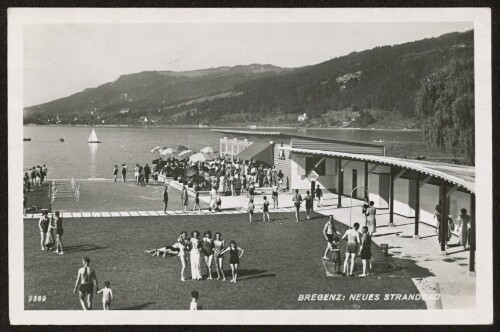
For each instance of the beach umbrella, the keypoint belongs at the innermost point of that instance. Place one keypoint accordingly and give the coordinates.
(207, 150)
(191, 172)
(157, 149)
(185, 154)
(200, 157)
(179, 148)
(167, 151)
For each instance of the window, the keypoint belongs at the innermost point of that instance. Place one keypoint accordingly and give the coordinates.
(311, 161)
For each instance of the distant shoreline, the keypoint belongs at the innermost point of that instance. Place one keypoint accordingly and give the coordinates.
(223, 127)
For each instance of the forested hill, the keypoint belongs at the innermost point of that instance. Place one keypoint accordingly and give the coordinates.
(374, 86)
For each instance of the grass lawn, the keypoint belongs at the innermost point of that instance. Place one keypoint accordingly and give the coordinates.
(282, 260)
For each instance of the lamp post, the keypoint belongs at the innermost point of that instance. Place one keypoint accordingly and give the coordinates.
(350, 211)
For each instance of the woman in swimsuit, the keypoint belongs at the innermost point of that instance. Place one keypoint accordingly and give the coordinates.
(234, 258)
(275, 196)
(218, 248)
(208, 251)
(328, 231)
(183, 245)
(195, 256)
(197, 202)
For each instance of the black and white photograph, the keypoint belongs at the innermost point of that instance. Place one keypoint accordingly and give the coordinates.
(260, 166)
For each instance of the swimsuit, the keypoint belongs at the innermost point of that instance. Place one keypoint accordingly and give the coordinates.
(207, 248)
(233, 256)
(266, 206)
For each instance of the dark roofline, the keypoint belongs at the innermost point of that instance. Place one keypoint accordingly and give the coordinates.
(279, 134)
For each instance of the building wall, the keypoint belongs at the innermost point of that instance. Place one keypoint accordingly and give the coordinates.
(300, 181)
(348, 168)
(284, 165)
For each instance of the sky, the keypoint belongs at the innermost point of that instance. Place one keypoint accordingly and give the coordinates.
(62, 59)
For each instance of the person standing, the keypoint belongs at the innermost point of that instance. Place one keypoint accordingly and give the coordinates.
(86, 282)
(265, 210)
(184, 197)
(328, 231)
(195, 256)
(208, 251)
(365, 252)
(38, 175)
(43, 225)
(371, 220)
(165, 199)
(124, 172)
(58, 225)
(219, 259)
(183, 245)
(136, 174)
(353, 239)
(197, 202)
(251, 208)
(251, 190)
(437, 215)
(319, 195)
(275, 196)
(33, 177)
(297, 201)
(115, 173)
(463, 228)
(280, 180)
(234, 258)
(45, 171)
(107, 296)
(213, 197)
(218, 203)
(147, 173)
(309, 203)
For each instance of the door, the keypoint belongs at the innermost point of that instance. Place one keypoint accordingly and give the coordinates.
(354, 183)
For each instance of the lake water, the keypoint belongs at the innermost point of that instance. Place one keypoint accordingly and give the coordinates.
(75, 158)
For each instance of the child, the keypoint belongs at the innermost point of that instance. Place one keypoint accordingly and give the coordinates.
(107, 296)
(234, 257)
(197, 202)
(194, 301)
(251, 207)
(335, 245)
(265, 210)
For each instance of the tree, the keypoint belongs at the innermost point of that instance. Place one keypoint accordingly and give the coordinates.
(445, 104)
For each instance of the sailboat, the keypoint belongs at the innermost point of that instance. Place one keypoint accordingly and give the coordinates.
(93, 137)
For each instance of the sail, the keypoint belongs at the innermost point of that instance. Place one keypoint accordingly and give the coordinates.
(93, 137)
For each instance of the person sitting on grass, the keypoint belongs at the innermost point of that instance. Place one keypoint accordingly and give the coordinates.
(107, 296)
(167, 250)
(234, 258)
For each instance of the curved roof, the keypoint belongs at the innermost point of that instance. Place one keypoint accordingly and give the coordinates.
(461, 175)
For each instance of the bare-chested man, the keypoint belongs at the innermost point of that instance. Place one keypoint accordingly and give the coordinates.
(353, 239)
(86, 283)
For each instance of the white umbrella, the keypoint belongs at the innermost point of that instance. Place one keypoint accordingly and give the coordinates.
(200, 157)
(157, 149)
(167, 151)
(208, 150)
(185, 154)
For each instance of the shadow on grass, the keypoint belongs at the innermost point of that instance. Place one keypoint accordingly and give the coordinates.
(83, 247)
(253, 274)
(137, 307)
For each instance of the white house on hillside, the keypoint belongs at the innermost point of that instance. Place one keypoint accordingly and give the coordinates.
(302, 117)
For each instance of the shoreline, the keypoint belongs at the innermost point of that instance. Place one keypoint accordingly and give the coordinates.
(221, 127)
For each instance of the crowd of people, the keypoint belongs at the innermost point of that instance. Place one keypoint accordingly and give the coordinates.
(34, 177)
(210, 251)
